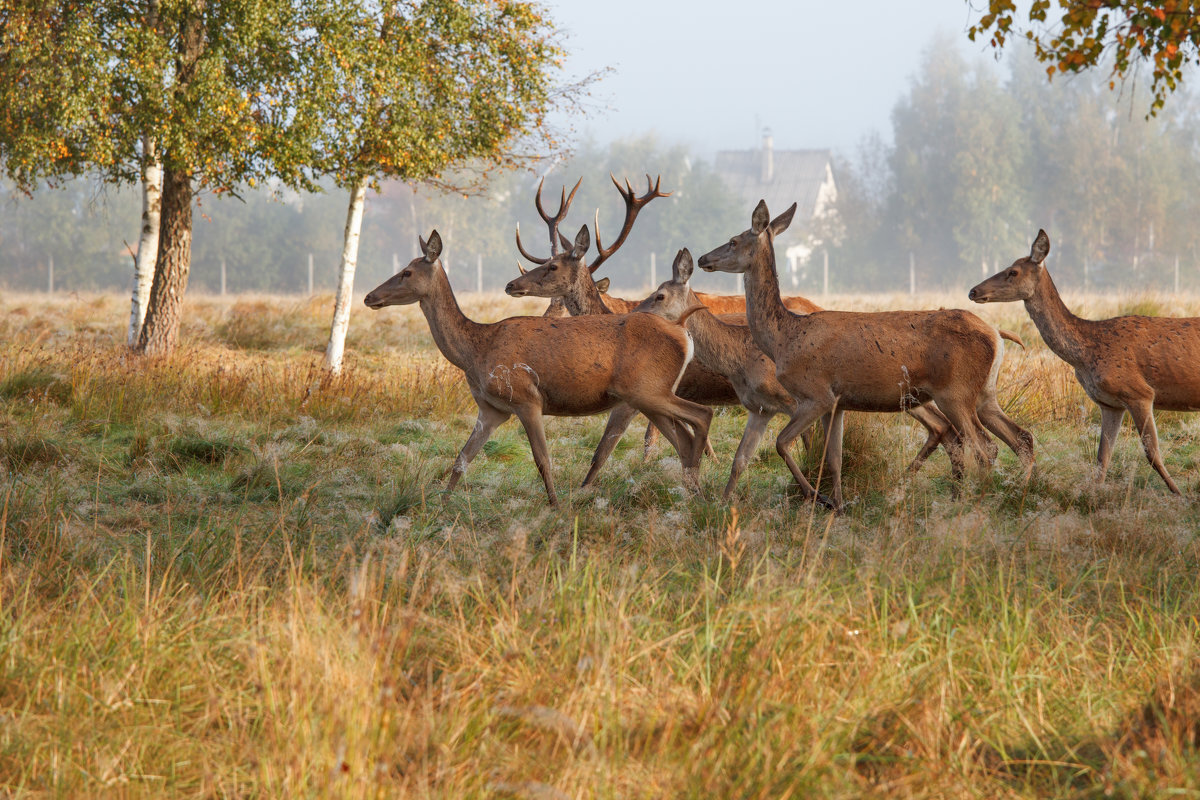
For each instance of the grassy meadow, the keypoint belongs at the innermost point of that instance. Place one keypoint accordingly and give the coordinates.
(225, 574)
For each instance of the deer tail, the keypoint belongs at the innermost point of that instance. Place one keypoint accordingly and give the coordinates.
(1012, 337)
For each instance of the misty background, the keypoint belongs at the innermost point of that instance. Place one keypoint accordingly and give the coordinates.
(944, 164)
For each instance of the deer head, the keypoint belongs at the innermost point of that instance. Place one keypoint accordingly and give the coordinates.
(1018, 282)
(568, 268)
(414, 282)
(735, 255)
(673, 297)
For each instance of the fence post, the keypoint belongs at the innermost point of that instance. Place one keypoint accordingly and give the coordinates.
(50, 270)
(395, 264)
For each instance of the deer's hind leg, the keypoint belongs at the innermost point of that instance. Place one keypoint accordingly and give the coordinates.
(1019, 440)
(489, 419)
(756, 426)
(1142, 412)
(618, 420)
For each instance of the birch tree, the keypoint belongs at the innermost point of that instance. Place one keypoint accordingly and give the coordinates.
(202, 87)
(411, 89)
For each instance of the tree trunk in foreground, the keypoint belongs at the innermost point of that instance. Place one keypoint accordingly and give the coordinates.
(147, 251)
(345, 289)
(161, 329)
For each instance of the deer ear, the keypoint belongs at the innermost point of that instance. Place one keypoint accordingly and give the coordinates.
(760, 218)
(434, 248)
(582, 242)
(602, 285)
(681, 270)
(781, 223)
(566, 243)
(1040, 249)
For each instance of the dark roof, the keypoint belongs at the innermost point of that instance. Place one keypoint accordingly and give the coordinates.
(796, 177)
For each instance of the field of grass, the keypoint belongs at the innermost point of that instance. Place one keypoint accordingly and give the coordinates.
(223, 574)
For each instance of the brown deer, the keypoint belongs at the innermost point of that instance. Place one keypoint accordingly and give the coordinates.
(535, 366)
(1133, 364)
(583, 296)
(836, 361)
(724, 345)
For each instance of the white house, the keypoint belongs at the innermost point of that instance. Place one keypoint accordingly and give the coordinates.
(783, 177)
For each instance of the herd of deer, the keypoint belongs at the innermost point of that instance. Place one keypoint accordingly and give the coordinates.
(592, 352)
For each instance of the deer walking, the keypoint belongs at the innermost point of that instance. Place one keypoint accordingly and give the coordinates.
(836, 361)
(725, 345)
(1133, 364)
(536, 366)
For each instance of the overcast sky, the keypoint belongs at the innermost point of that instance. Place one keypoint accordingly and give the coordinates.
(714, 73)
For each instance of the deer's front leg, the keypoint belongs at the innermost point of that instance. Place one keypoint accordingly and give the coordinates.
(489, 419)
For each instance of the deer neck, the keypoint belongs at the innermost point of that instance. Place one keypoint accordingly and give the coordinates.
(584, 298)
(1061, 330)
(764, 306)
(711, 337)
(455, 335)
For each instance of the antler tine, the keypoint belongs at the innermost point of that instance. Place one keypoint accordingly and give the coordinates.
(552, 221)
(633, 205)
(528, 256)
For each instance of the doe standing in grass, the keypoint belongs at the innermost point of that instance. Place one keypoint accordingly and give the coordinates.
(570, 366)
(836, 361)
(1133, 364)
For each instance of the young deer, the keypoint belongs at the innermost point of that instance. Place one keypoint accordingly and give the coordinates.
(835, 361)
(535, 366)
(724, 345)
(1133, 364)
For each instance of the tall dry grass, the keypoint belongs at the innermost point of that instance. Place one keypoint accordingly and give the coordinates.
(223, 574)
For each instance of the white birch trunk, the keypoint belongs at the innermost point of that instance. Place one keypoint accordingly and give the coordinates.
(341, 308)
(147, 251)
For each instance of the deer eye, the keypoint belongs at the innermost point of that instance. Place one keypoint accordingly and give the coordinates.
(551, 268)
(660, 298)
(1012, 273)
(406, 274)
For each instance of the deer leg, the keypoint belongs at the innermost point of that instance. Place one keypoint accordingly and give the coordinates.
(618, 420)
(806, 414)
(936, 428)
(489, 419)
(1110, 426)
(1143, 417)
(833, 452)
(1019, 440)
(681, 439)
(648, 440)
(966, 424)
(531, 420)
(756, 426)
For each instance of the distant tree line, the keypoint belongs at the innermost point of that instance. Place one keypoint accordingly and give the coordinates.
(979, 158)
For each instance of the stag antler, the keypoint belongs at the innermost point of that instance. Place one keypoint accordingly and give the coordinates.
(632, 206)
(552, 221)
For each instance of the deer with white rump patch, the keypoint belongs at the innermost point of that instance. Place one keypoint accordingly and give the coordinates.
(536, 366)
(837, 361)
(1134, 364)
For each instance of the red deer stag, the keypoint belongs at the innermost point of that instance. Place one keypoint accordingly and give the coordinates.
(534, 366)
(567, 274)
(835, 361)
(1133, 364)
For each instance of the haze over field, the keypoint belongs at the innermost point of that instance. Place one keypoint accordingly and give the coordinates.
(942, 157)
